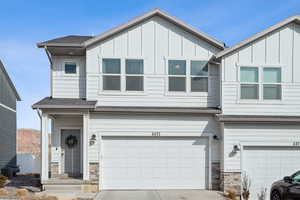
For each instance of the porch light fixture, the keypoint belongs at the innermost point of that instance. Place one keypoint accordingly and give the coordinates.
(236, 148)
(93, 139)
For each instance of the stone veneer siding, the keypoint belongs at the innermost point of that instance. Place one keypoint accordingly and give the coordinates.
(231, 180)
(54, 169)
(94, 171)
(216, 173)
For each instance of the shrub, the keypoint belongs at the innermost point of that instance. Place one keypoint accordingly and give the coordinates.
(3, 180)
(231, 193)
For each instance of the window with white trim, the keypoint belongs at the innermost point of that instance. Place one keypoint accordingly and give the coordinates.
(70, 68)
(177, 75)
(260, 83)
(187, 76)
(272, 83)
(249, 82)
(199, 76)
(134, 69)
(111, 69)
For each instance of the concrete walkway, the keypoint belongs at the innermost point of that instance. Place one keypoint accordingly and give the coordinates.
(160, 195)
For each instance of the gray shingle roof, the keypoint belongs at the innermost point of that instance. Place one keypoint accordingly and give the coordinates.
(50, 102)
(71, 40)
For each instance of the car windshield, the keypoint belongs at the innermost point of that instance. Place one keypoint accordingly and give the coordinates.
(296, 178)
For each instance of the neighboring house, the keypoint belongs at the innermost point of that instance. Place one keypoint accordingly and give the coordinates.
(28, 150)
(156, 104)
(8, 120)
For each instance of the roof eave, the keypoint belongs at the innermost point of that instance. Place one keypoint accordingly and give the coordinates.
(150, 14)
(66, 45)
(259, 35)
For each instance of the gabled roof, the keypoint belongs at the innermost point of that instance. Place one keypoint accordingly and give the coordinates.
(295, 18)
(10, 81)
(148, 15)
(67, 41)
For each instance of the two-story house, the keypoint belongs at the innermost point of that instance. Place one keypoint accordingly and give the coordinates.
(8, 122)
(156, 104)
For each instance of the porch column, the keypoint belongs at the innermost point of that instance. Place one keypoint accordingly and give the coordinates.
(45, 147)
(85, 143)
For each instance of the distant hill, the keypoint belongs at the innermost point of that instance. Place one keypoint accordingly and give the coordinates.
(28, 141)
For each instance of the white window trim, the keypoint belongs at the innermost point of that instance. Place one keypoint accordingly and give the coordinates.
(260, 83)
(73, 62)
(122, 90)
(188, 76)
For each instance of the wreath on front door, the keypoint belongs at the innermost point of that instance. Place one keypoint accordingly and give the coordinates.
(71, 141)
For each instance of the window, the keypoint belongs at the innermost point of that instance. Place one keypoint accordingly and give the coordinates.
(249, 82)
(272, 83)
(269, 82)
(70, 68)
(111, 74)
(177, 75)
(199, 76)
(134, 75)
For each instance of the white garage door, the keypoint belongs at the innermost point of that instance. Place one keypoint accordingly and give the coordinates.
(150, 163)
(264, 165)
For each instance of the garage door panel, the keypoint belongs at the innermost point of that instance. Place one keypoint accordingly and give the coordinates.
(154, 163)
(265, 165)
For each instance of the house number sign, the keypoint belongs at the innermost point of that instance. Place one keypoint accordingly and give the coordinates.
(156, 133)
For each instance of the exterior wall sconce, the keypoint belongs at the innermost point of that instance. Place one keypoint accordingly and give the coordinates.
(93, 139)
(236, 148)
(215, 137)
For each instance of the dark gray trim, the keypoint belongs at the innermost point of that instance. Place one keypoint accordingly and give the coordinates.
(257, 118)
(67, 41)
(49, 102)
(158, 110)
(10, 81)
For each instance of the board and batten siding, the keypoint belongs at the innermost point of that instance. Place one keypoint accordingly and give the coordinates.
(255, 135)
(8, 123)
(279, 48)
(68, 85)
(155, 41)
(7, 95)
(143, 125)
(8, 149)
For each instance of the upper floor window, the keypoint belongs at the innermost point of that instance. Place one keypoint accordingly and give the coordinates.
(111, 74)
(255, 79)
(70, 68)
(272, 83)
(134, 75)
(199, 76)
(185, 76)
(177, 75)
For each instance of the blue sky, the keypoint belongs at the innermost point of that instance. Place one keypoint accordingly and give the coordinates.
(25, 22)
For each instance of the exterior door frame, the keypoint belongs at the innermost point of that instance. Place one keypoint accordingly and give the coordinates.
(209, 154)
(81, 146)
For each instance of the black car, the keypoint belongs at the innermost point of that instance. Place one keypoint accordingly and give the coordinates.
(286, 189)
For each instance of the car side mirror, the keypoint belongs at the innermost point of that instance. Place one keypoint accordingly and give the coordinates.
(287, 179)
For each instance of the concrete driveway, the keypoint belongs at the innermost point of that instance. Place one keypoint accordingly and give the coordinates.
(160, 195)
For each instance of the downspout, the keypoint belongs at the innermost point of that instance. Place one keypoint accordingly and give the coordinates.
(51, 69)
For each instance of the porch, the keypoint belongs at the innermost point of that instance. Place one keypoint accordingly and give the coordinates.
(66, 161)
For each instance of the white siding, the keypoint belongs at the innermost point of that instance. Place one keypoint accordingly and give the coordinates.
(155, 41)
(255, 135)
(144, 125)
(68, 85)
(280, 48)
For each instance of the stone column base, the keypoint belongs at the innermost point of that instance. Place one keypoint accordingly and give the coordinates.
(215, 173)
(231, 180)
(54, 170)
(94, 171)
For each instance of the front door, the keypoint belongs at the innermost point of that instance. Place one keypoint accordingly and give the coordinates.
(71, 156)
